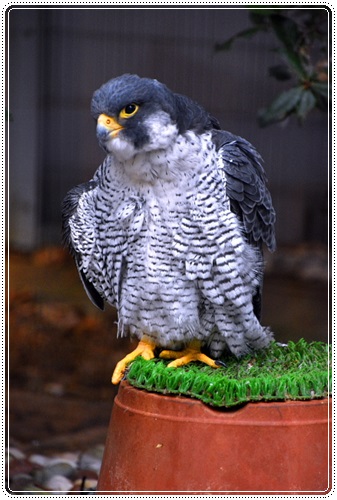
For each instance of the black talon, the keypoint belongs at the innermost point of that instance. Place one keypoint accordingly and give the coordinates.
(220, 363)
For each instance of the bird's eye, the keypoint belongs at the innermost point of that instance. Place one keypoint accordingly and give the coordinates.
(129, 110)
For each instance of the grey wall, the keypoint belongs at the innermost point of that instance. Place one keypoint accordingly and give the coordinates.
(58, 57)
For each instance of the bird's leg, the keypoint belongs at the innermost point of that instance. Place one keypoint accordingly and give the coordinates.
(191, 353)
(145, 348)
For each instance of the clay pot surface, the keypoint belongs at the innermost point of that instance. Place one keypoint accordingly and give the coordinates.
(159, 444)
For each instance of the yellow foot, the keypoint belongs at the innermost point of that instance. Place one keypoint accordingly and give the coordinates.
(145, 349)
(191, 353)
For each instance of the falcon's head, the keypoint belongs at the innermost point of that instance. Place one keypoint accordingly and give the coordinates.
(139, 114)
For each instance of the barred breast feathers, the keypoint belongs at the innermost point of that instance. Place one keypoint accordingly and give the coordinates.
(179, 191)
(157, 239)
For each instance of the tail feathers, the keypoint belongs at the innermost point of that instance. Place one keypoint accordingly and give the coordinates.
(259, 339)
(239, 344)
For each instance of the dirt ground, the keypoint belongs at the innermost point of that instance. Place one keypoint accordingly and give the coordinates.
(61, 353)
(61, 350)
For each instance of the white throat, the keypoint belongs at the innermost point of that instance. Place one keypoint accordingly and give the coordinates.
(180, 156)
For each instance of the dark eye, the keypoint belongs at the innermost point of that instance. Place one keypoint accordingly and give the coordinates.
(129, 110)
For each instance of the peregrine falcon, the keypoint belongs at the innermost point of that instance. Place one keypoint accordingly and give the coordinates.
(171, 227)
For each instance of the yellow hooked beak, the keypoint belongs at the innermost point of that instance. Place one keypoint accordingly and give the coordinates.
(110, 124)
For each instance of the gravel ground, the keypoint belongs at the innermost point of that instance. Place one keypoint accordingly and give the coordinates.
(59, 473)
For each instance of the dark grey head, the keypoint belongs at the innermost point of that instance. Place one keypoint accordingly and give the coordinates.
(124, 105)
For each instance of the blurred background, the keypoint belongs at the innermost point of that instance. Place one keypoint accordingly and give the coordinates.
(61, 350)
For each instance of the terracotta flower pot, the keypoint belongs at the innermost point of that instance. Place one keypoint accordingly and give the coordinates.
(160, 443)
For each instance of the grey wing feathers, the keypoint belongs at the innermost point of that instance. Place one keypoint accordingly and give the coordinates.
(246, 188)
(69, 207)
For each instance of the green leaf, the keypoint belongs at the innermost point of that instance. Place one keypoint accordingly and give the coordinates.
(306, 104)
(286, 30)
(285, 104)
(322, 93)
(321, 88)
(247, 33)
(290, 37)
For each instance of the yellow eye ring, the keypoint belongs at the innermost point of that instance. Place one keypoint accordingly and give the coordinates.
(129, 110)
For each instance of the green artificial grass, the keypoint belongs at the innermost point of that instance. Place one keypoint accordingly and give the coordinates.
(297, 371)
